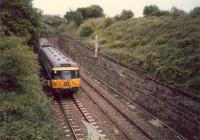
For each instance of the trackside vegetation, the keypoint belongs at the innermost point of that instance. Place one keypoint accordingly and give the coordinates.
(165, 44)
(24, 109)
(25, 112)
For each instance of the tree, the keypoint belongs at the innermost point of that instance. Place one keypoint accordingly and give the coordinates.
(195, 12)
(126, 14)
(74, 16)
(84, 12)
(92, 11)
(18, 17)
(150, 10)
(177, 12)
(77, 18)
(95, 11)
(69, 16)
(53, 20)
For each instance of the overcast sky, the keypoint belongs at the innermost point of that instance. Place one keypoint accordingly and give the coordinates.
(111, 7)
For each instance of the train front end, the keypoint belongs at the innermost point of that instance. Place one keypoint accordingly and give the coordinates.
(65, 79)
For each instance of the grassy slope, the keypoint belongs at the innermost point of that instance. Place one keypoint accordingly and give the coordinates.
(166, 47)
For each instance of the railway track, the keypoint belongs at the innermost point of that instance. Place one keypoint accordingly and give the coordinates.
(134, 132)
(178, 110)
(123, 98)
(140, 109)
(71, 114)
(146, 93)
(71, 128)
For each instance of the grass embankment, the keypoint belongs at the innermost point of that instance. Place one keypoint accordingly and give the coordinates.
(166, 47)
(24, 110)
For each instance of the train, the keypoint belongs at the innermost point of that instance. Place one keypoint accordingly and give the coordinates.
(62, 72)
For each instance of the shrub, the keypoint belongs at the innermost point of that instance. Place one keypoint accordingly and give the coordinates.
(181, 43)
(161, 40)
(126, 14)
(108, 22)
(160, 13)
(138, 40)
(92, 11)
(24, 110)
(175, 12)
(150, 10)
(117, 17)
(17, 69)
(78, 19)
(117, 44)
(74, 16)
(102, 41)
(195, 12)
(86, 30)
(117, 35)
(20, 18)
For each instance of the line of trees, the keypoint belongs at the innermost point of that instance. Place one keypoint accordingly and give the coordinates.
(95, 11)
(153, 10)
(77, 16)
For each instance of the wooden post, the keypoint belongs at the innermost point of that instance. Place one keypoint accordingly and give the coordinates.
(96, 46)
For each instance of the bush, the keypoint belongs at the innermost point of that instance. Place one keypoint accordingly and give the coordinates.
(126, 14)
(161, 40)
(20, 18)
(182, 43)
(53, 20)
(92, 11)
(95, 11)
(18, 69)
(195, 12)
(74, 16)
(117, 44)
(138, 40)
(24, 110)
(117, 17)
(175, 12)
(78, 19)
(108, 22)
(160, 13)
(150, 10)
(86, 31)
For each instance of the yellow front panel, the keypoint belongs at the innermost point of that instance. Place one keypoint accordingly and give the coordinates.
(65, 84)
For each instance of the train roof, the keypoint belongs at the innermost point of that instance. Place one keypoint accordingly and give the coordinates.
(43, 42)
(56, 58)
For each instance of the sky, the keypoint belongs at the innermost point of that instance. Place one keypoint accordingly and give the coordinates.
(111, 7)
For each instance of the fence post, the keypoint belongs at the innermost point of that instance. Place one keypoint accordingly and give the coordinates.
(96, 46)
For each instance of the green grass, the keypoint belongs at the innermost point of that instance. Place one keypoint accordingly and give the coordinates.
(166, 47)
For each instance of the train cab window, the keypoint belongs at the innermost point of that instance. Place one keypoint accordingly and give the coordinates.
(74, 74)
(70, 74)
